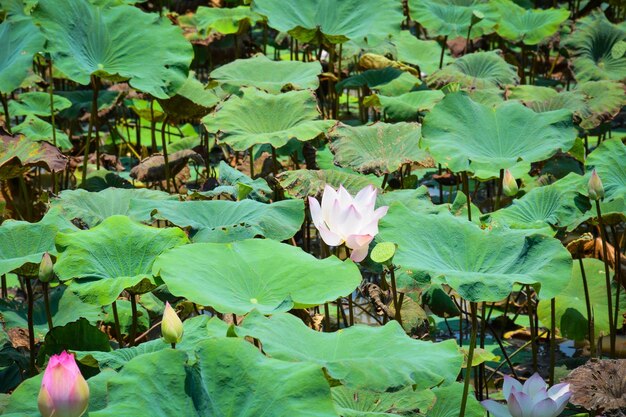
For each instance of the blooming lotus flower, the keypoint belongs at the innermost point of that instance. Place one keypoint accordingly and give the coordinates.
(64, 392)
(344, 219)
(171, 326)
(533, 399)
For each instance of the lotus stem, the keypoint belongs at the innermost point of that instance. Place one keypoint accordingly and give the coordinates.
(92, 123)
(618, 274)
(274, 161)
(3, 284)
(470, 358)
(46, 301)
(116, 320)
(394, 292)
(250, 151)
(500, 186)
(326, 318)
(133, 326)
(165, 156)
(31, 324)
(51, 91)
(467, 194)
(7, 116)
(443, 50)
(552, 339)
(590, 326)
(533, 328)
(607, 275)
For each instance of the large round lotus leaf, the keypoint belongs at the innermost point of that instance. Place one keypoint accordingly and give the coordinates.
(406, 107)
(229, 378)
(591, 45)
(481, 265)
(380, 148)
(116, 43)
(363, 403)
(226, 221)
(81, 102)
(334, 21)
(259, 117)
(23, 243)
(425, 54)
(20, 41)
(553, 206)
(478, 70)
(65, 307)
(375, 358)
(302, 183)
(18, 154)
(115, 255)
(268, 75)
(571, 308)
(37, 130)
(609, 161)
(224, 20)
(530, 26)
(93, 207)
(37, 104)
(192, 101)
(452, 18)
(463, 135)
(389, 81)
(253, 274)
(448, 400)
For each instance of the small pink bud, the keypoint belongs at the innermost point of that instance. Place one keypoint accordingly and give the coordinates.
(45, 268)
(64, 392)
(509, 185)
(594, 187)
(171, 326)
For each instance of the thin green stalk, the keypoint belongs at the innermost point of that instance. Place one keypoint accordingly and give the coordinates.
(467, 194)
(394, 292)
(135, 316)
(618, 274)
(7, 116)
(51, 91)
(326, 318)
(165, 156)
(5, 290)
(500, 186)
(443, 50)
(590, 326)
(274, 161)
(118, 328)
(521, 348)
(552, 339)
(251, 152)
(46, 302)
(31, 323)
(470, 358)
(533, 329)
(607, 275)
(24, 190)
(92, 122)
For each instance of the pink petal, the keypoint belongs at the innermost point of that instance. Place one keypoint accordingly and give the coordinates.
(509, 383)
(561, 402)
(316, 211)
(545, 408)
(329, 237)
(495, 408)
(520, 404)
(328, 201)
(558, 390)
(359, 245)
(350, 222)
(534, 385)
(366, 197)
(344, 197)
(358, 254)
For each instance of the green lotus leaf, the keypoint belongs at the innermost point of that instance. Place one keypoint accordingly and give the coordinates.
(423, 53)
(115, 255)
(448, 400)
(590, 47)
(268, 75)
(481, 265)
(464, 135)
(225, 221)
(571, 310)
(81, 102)
(381, 148)
(224, 20)
(23, 244)
(608, 161)
(406, 107)
(148, 110)
(229, 378)
(37, 104)
(17, 9)
(94, 207)
(259, 117)
(478, 70)
(363, 403)
(553, 206)
(20, 41)
(452, 18)
(308, 182)
(79, 334)
(192, 101)
(603, 100)
(116, 43)
(125, 317)
(18, 154)
(37, 130)
(253, 274)
(364, 357)
(330, 20)
(65, 307)
(232, 177)
(389, 81)
(530, 26)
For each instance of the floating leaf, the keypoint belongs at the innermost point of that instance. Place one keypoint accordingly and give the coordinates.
(113, 256)
(37, 104)
(21, 40)
(481, 265)
(259, 118)
(116, 43)
(453, 18)
(375, 358)
(331, 21)
(478, 70)
(571, 310)
(380, 148)
(226, 221)
(591, 45)
(271, 76)
(253, 274)
(307, 182)
(608, 161)
(389, 81)
(530, 26)
(464, 135)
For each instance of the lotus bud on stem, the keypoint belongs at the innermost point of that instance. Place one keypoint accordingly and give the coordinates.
(171, 326)
(509, 185)
(64, 392)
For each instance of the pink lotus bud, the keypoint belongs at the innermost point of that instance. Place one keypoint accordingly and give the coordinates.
(533, 399)
(64, 392)
(171, 326)
(509, 185)
(595, 189)
(45, 268)
(342, 218)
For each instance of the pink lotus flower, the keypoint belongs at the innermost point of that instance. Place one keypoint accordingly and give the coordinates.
(533, 399)
(344, 219)
(64, 392)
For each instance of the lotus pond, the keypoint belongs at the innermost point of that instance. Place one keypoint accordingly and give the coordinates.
(312, 208)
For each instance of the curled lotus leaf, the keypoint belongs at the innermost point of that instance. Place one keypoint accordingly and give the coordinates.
(18, 154)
